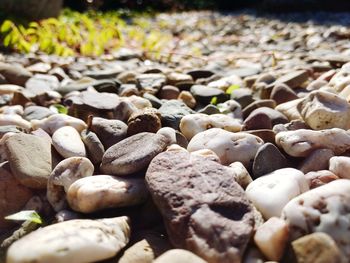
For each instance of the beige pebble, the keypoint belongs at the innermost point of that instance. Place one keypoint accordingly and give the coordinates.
(68, 143)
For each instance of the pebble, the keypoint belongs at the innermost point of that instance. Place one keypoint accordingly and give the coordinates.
(317, 248)
(93, 145)
(282, 93)
(147, 120)
(205, 94)
(319, 178)
(187, 98)
(172, 112)
(272, 237)
(93, 193)
(63, 175)
(30, 159)
(263, 118)
(294, 79)
(68, 143)
(316, 161)
(322, 209)
(133, 154)
(270, 193)
(339, 165)
(192, 124)
(227, 145)
(178, 256)
(80, 240)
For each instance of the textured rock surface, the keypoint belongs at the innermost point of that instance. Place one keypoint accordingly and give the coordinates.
(204, 210)
(323, 209)
(72, 241)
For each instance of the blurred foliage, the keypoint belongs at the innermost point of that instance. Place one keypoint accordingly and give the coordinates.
(89, 34)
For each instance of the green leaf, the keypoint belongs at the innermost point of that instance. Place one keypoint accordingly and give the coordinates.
(214, 100)
(60, 108)
(232, 88)
(27, 215)
(6, 26)
(7, 40)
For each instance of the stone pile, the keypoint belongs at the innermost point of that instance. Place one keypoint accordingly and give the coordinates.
(241, 155)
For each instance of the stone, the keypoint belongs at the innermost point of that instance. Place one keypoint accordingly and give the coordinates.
(200, 73)
(243, 96)
(30, 159)
(294, 79)
(272, 237)
(268, 158)
(241, 174)
(100, 104)
(172, 112)
(127, 90)
(187, 98)
(94, 147)
(339, 165)
(108, 73)
(169, 92)
(63, 175)
(340, 79)
(271, 192)
(258, 104)
(15, 120)
(317, 248)
(227, 145)
(204, 210)
(109, 132)
(205, 94)
(290, 109)
(192, 124)
(317, 160)
(150, 83)
(80, 240)
(263, 118)
(56, 121)
(209, 110)
(68, 143)
(322, 209)
(15, 74)
(13, 195)
(324, 110)
(155, 102)
(226, 82)
(147, 120)
(282, 93)
(300, 143)
(319, 178)
(231, 108)
(147, 249)
(178, 256)
(94, 193)
(104, 85)
(178, 79)
(36, 113)
(132, 154)
(9, 89)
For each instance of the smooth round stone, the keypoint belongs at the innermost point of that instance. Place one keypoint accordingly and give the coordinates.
(241, 175)
(209, 110)
(30, 159)
(108, 131)
(56, 121)
(13, 195)
(151, 83)
(290, 109)
(282, 93)
(133, 154)
(243, 96)
(172, 111)
(300, 143)
(317, 160)
(263, 118)
(340, 166)
(231, 108)
(200, 73)
(322, 209)
(178, 79)
(268, 159)
(270, 193)
(155, 102)
(319, 178)
(317, 248)
(80, 240)
(65, 173)
(294, 79)
(94, 146)
(226, 82)
(325, 110)
(204, 94)
(187, 98)
(272, 237)
(173, 136)
(192, 124)
(94, 193)
(179, 256)
(9, 89)
(258, 104)
(169, 92)
(68, 143)
(230, 147)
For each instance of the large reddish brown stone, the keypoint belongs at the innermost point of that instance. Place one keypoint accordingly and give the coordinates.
(204, 209)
